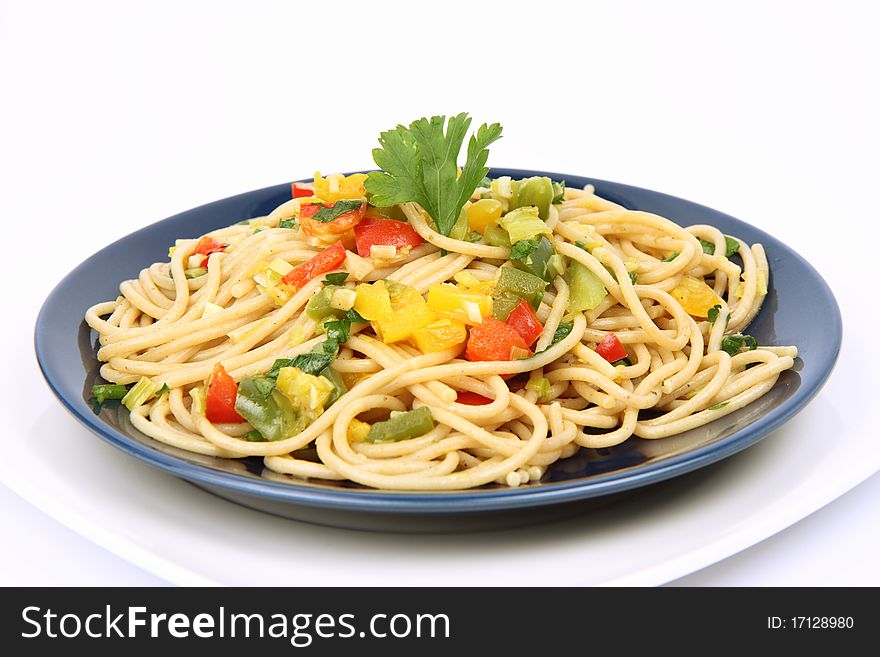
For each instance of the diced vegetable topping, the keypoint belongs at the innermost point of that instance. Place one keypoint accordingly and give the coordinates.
(541, 386)
(470, 308)
(610, 348)
(106, 392)
(220, 399)
(471, 398)
(520, 283)
(372, 301)
(402, 426)
(495, 340)
(538, 257)
(301, 190)
(206, 246)
(324, 220)
(327, 260)
(195, 272)
(695, 296)
(536, 191)
(483, 214)
(524, 321)
(335, 187)
(586, 290)
(268, 409)
(420, 164)
(384, 232)
(307, 393)
(441, 334)
(144, 390)
(733, 344)
(524, 224)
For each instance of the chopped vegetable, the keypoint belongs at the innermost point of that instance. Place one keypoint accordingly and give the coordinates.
(695, 296)
(558, 192)
(495, 340)
(220, 399)
(318, 308)
(524, 224)
(335, 379)
(357, 431)
(733, 344)
(402, 426)
(372, 300)
(718, 407)
(520, 283)
(338, 330)
(270, 413)
(384, 232)
(503, 304)
(142, 391)
(496, 236)
(524, 321)
(307, 393)
(672, 256)
(586, 290)
(335, 279)
(708, 247)
(471, 398)
(712, 313)
(536, 191)
(538, 257)
(409, 313)
(326, 220)
(335, 187)
(107, 391)
(288, 223)
(541, 386)
(483, 214)
(343, 299)
(420, 164)
(610, 348)
(626, 362)
(733, 245)
(206, 246)
(301, 190)
(327, 260)
(470, 308)
(195, 272)
(444, 333)
(313, 362)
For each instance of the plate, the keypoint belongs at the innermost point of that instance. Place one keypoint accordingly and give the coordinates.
(66, 356)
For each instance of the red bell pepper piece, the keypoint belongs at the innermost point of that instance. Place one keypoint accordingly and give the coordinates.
(302, 190)
(384, 232)
(610, 348)
(206, 246)
(471, 398)
(343, 223)
(327, 260)
(495, 340)
(220, 400)
(524, 321)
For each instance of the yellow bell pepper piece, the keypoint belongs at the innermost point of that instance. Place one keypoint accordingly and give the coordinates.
(335, 186)
(409, 313)
(695, 296)
(467, 307)
(372, 300)
(439, 335)
(484, 213)
(357, 430)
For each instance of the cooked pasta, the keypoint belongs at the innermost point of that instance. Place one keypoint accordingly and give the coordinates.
(411, 359)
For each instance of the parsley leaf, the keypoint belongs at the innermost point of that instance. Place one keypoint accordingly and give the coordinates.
(420, 163)
(733, 344)
(354, 317)
(523, 249)
(712, 315)
(335, 279)
(732, 245)
(288, 223)
(338, 331)
(325, 215)
(708, 247)
(312, 363)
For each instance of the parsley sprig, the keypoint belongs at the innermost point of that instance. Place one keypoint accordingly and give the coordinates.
(420, 164)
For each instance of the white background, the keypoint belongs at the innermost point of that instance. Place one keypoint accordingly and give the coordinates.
(115, 115)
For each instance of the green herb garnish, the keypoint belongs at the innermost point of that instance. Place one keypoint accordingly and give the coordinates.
(288, 223)
(420, 164)
(335, 279)
(718, 406)
(672, 256)
(325, 215)
(712, 315)
(733, 344)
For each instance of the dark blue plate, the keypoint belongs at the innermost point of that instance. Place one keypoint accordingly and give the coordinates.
(800, 309)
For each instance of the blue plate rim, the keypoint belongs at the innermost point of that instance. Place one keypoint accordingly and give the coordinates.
(472, 500)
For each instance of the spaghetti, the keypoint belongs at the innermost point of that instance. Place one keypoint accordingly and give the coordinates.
(668, 298)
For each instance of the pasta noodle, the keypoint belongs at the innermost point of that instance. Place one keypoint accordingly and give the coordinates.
(172, 328)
